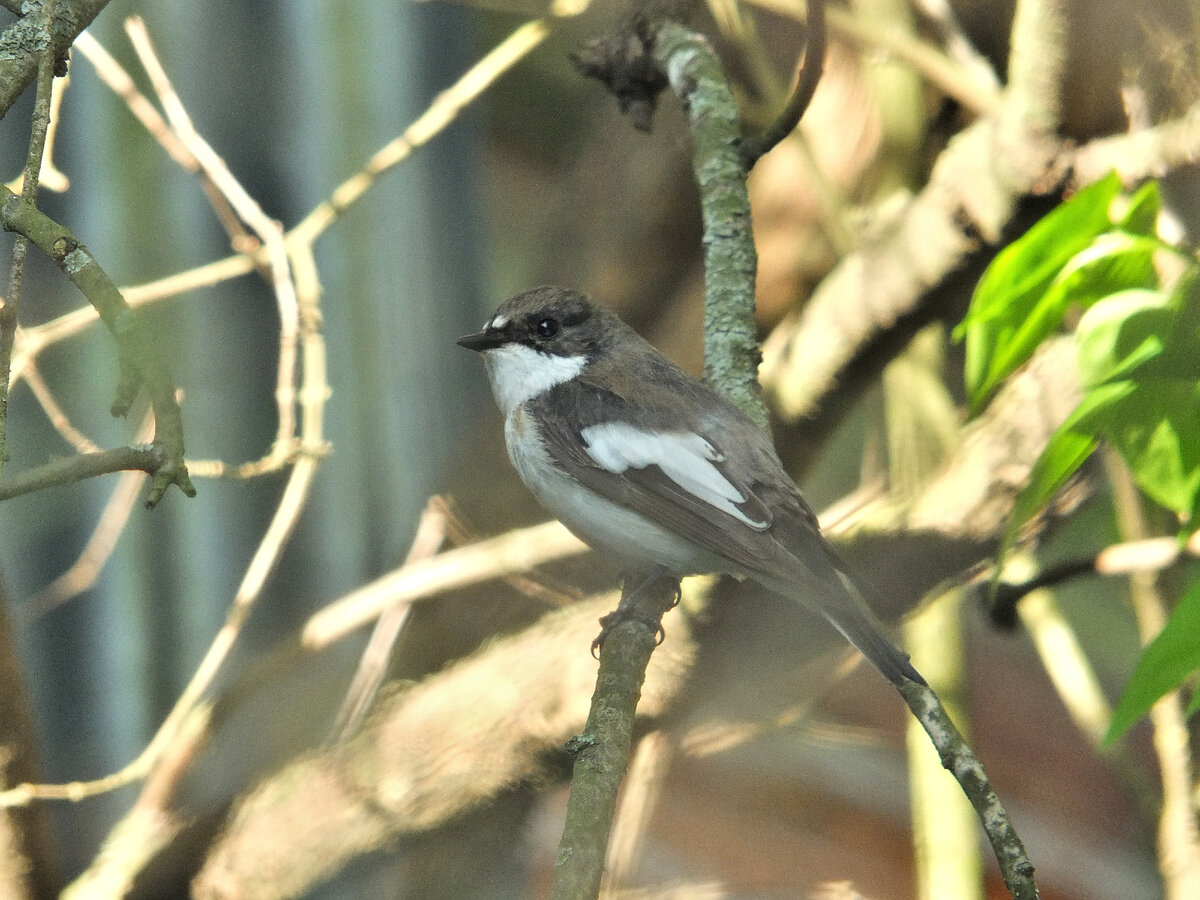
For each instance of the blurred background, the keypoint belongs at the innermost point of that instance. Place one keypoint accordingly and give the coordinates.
(541, 180)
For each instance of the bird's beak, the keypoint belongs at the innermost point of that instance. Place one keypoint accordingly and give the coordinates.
(481, 340)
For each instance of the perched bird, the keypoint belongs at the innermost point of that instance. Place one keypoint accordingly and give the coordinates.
(654, 468)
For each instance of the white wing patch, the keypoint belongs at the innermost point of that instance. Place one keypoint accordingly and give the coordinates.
(684, 457)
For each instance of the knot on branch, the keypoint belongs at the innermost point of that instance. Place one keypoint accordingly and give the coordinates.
(624, 63)
(173, 471)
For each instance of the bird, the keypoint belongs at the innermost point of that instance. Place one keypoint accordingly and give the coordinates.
(654, 468)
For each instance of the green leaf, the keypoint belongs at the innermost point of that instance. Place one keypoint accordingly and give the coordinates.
(1017, 281)
(1065, 452)
(1151, 342)
(1163, 665)
(1034, 260)
(1115, 261)
(1068, 449)
(1141, 213)
(1156, 429)
(1121, 333)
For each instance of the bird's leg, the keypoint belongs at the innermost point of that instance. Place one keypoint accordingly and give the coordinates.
(630, 609)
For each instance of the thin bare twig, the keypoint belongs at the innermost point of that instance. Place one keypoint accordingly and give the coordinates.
(118, 81)
(296, 282)
(931, 63)
(1149, 555)
(50, 177)
(149, 826)
(444, 109)
(10, 301)
(57, 416)
(372, 667)
(516, 551)
(141, 362)
(100, 546)
(807, 77)
(268, 230)
(958, 758)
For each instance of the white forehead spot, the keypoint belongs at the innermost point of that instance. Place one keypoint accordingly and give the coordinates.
(498, 322)
(519, 373)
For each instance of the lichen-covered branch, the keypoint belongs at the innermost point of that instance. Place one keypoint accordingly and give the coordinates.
(141, 364)
(22, 43)
(85, 465)
(731, 353)
(602, 750)
(961, 762)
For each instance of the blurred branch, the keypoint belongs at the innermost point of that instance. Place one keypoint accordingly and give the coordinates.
(958, 44)
(50, 177)
(149, 826)
(172, 730)
(85, 571)
(970, 197)
(372, 666)
(427, 754)
(1149, 555)
(516, 551)
(1178, 831)
(110, 525)
(1064, 660)
(979, 95)
(1142, 153)
(1030, 113)
(639, 798)
(58, 417)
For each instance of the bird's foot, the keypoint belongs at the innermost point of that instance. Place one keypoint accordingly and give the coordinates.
(630, 609)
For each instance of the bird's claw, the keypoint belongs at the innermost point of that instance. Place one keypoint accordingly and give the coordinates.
(626, 614)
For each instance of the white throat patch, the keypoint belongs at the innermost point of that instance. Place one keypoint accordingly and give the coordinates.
(519, 373)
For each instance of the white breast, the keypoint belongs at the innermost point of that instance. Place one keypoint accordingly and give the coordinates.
(631, 539)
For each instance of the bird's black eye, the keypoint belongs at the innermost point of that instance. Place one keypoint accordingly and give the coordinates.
(547, 328)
